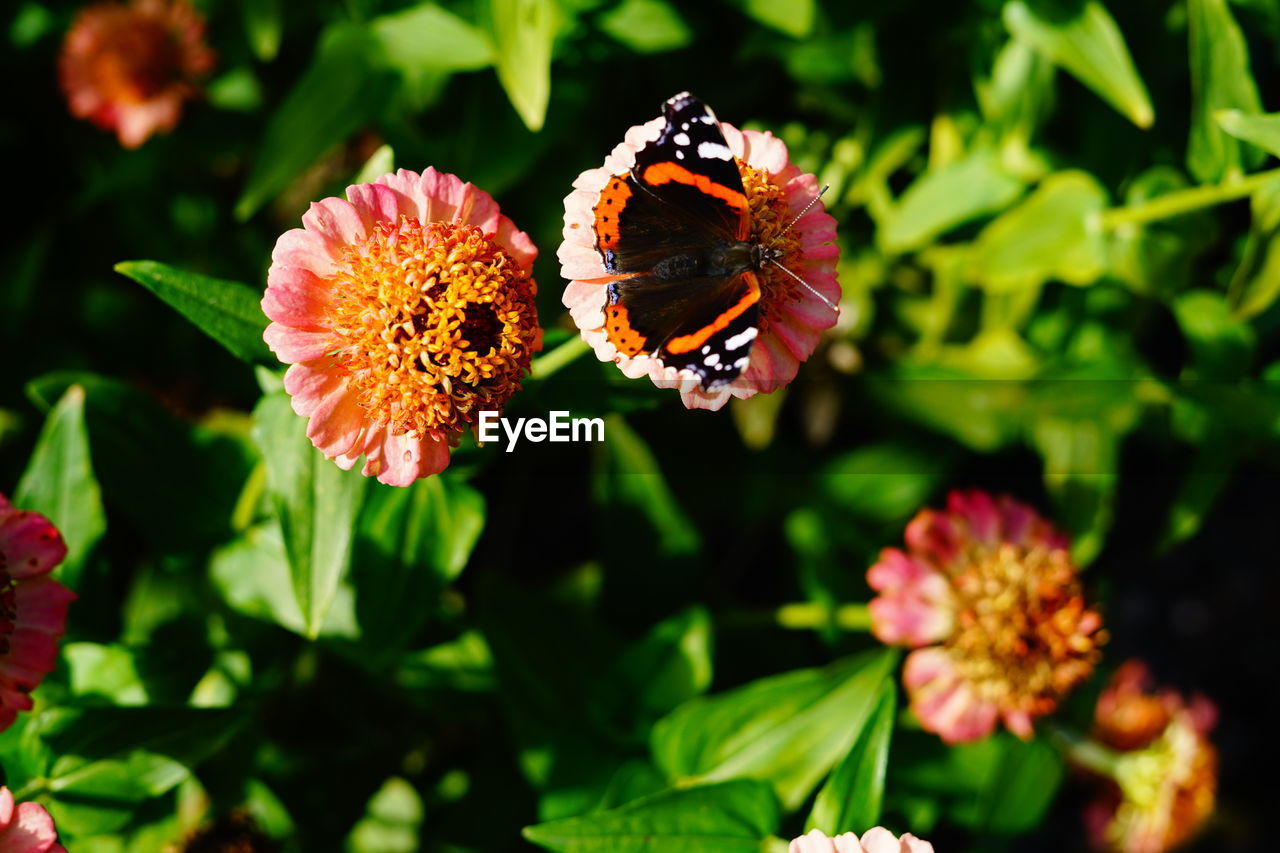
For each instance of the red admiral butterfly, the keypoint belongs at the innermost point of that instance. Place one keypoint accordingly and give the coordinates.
(674, 234)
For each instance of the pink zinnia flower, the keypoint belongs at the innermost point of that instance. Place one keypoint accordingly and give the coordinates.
(1163, 782)
(875, 840)
(405, 310)
(33, 607)
(988, 597)
(791, 315)
(128, 68)
(26, 828)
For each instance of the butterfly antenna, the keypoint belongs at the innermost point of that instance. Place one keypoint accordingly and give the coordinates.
(796, 219)
(806, 285)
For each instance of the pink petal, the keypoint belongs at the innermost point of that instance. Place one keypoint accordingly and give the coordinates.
(979, 512)
(814, 842)
(310, 383)
(31, 544)
(6, 802)
(374, 203)
(300, 249)
(932, 535)
(336, 423)
(880, 840)
(915, 845)
(335, 221)
(32, 649)
(41, 604)
(764, 151)
(293, 345)
(296, 297)
(31, 832)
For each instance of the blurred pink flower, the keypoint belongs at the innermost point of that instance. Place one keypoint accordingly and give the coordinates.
(26, 827)
(875, 840)
(988, 597)
(1163, 784)
(791, 317)
(33, 607)
(405, 310)
(128, 68)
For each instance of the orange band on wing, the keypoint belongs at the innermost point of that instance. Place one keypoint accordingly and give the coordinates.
(690, 342)
(662, 173)
(613, 198)
(618, 328)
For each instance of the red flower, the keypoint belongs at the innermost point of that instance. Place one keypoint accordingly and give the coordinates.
(129, 68)
(33, 607)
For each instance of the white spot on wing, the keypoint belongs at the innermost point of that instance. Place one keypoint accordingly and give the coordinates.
(741, 339)
(679, 154)
(712, 360)
(714, 151)
(680, 139)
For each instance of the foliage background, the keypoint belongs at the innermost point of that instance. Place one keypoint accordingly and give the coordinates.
(502, 640)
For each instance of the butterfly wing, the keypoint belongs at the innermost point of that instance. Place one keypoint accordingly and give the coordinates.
(672, 233)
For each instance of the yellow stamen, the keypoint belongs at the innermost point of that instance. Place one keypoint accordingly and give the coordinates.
(433, 324)
(1023, 636)
(770, 216)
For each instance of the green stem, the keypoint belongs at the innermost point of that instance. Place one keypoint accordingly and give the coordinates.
(566, 353)
(1085, 752)
(1185, 201)
(812, 615)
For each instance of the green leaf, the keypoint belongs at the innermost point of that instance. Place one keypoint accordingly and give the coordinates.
(427, 37)
(252, 575)
(793, 17)
(1054, 234)
(668, 666)
(341, 90)
(392, 821)
(523, 33)
(1210, 471)
(59, 483)
(95, 766)
(412, 542)
(316, 503)
(1261, 130)
(1220, 80)
(1255, 286)
(1019, 92)
(852, 798)
(1222, 345)
(1158, 258)
(1020, 791)
(882, 482)
(1082, 38)
(628, 473)
(646, 26)
(227, 311)
(972, 187)
(733, 817)
(788, 730)
(379, 163)
(106, 672)
(263, 26)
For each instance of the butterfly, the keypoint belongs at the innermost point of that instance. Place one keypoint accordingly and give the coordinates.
(674, 235)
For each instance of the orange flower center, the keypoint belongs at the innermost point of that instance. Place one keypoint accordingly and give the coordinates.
(137, 58)
(433, 324)
(770, 216)
(1023, 635)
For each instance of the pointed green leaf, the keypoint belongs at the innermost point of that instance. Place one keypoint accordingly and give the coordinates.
(523, 33)
(316, 502)
(1054, 234)
(342, 89)
(263, 26)
(1021, 789)
(59, 483)
(392, 821)
(974, 186)
(788, 729)
(1258, 129)
(227, 311)
(1082, 38)
(793, 17)
(1220, 80)
(428, 37)
(733, 817)
(852, 797)
(646, 26)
